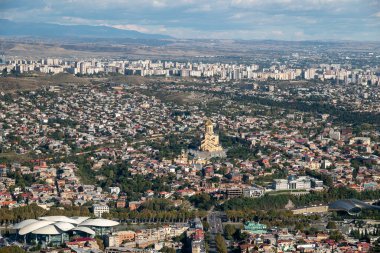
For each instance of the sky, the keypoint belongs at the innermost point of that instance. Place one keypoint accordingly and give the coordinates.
(212, 19)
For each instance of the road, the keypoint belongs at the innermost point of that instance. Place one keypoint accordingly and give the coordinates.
(215, 222)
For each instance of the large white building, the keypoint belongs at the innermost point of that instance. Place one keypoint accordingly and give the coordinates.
(100, 209)
(296, 183)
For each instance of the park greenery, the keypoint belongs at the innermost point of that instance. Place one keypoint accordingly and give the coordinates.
(221, 246)
(152, 212)
(341, 115)
(11, 249)
(202, 201)
(33, 211)
(275, 202)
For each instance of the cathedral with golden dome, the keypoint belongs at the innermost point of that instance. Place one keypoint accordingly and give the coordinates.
(210, 142)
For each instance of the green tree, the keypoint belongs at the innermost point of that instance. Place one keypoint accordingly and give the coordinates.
(336, 235)
(206, 225)
(331, 225)
(202, 201)
(221, 246)
(11, 249)
(229, 231)
(375, 247)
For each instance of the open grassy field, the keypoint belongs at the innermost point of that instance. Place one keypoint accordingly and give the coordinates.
(32, 82)
(12, 156)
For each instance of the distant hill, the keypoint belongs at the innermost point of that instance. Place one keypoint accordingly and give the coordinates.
(10, 28)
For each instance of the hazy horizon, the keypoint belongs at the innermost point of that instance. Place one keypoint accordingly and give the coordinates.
(284, 20)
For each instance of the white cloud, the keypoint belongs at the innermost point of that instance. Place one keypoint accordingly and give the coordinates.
(304, 5)
(200, 8)
(81, 21)
(159, 4)
(255, 19)
(299, 35)
(138, 28)
(278, 33)
(239, 16)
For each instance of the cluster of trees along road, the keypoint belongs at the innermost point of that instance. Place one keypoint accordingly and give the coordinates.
(32, 211)
(162, 210)
(221, 246)
(11, 249)
(269, 208)
(272, 218)
(154, 215)
(276, 202)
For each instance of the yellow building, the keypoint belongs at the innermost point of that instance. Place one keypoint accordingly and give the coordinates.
(182, 158)
(210, 143)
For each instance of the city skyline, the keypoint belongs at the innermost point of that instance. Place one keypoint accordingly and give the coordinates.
(216, 19)
(189, 126)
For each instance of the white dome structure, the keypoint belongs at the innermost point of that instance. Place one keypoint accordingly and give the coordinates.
(80, 219)
(64, 226)
(59, 218)
(34, 226)
(24, 223)
(47, 230)
(99, 223)
(56, 225)
(85, 230)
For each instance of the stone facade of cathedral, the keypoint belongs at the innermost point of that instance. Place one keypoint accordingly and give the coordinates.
(210, 143)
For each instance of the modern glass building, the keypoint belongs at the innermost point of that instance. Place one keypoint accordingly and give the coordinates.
(55, 230)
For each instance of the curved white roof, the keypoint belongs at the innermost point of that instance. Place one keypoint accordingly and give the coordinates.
(55, 225)
(34, 226)
(64, 226)
(24, 223)
(47, 230)
(85, 229)
(99, 223)
(80, 219)
(59, 218)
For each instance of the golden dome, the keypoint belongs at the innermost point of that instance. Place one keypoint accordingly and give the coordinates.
(208, 122)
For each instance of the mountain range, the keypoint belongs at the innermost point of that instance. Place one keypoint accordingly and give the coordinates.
(11, 28)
